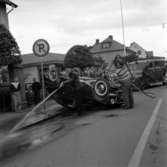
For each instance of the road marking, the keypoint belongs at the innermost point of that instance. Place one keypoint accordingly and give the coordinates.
(136, 157)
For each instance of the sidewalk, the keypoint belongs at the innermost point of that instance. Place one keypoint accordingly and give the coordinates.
(42, 114)
(8, 120)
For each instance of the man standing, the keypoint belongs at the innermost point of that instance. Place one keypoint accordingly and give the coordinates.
(36, 87)
(124, 78)
(15, 92)
(76, 85)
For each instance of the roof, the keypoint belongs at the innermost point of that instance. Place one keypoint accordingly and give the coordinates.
(115, 46)
(8, 2)
(150, 53)
(31, 59)
(137, 45)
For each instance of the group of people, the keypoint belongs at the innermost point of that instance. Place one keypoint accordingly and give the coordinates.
(93, 71)
(122, 76)
(15, 90)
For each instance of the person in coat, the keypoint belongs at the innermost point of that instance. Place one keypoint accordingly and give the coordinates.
(15, 94)
(36, 88)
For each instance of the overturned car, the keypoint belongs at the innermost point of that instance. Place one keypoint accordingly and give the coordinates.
(91, 92)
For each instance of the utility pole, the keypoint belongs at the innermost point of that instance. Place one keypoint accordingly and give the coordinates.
(123, 28)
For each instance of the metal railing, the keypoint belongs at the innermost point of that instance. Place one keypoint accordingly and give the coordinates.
(40, 109)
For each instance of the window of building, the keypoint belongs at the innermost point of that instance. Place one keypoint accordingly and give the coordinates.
(106, 45)
(139, 52)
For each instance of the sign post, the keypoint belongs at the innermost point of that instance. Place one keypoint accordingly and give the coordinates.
(41, 48)
(43, 83)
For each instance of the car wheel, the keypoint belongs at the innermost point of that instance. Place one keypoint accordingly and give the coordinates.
(101, 89)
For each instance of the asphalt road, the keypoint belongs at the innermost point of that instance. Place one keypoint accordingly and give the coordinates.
(105, 138)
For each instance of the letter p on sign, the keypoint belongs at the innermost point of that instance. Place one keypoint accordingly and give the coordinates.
(41, 47)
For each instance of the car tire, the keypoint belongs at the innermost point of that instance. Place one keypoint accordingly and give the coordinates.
(101, 89)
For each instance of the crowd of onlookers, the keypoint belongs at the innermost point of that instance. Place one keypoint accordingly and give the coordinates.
(11, 92)
(10, 95)
(93, 72)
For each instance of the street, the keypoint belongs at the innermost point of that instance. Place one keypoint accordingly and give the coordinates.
(105, 138)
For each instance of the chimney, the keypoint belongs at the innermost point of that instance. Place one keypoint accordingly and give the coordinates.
(97, 41)
(111, 37)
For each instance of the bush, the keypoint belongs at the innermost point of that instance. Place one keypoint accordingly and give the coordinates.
(9, 50)
(78, 56)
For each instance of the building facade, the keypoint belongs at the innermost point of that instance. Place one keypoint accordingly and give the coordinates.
(108, 49)
(141, 52)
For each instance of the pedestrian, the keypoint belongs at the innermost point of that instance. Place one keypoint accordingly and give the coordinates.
(50, 83)
(36, 88)
(79, 90)
(124, 78)
(15, 93)
(75, 89)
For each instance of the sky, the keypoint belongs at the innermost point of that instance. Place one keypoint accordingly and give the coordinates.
(64, 23)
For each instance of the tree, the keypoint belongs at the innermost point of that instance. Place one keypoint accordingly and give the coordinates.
(78, 56)
(9, 50)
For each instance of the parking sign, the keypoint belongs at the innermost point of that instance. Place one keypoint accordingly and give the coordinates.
(41, 48)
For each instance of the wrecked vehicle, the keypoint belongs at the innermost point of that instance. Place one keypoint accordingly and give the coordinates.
(93, 91)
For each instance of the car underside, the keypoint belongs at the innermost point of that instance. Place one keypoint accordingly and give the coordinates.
(92, 92)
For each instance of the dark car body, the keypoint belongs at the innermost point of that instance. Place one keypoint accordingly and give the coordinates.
(93, 91)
